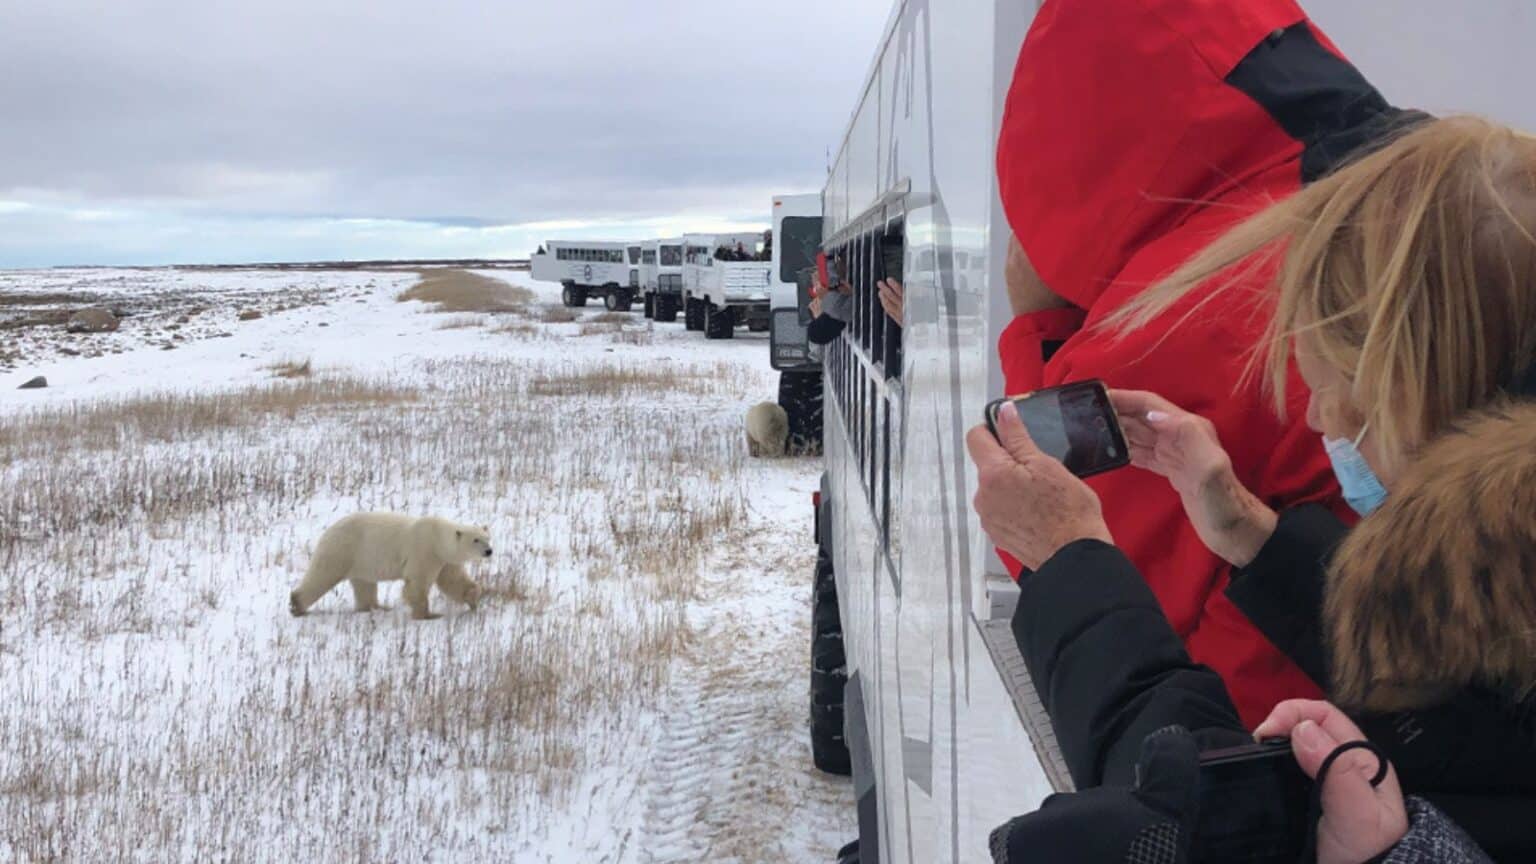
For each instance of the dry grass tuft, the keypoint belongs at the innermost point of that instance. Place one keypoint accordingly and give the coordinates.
(611, 318)
(523, 330)
(634, 337)
(461, 322)
(292, 369)
(615, 379)
(462, 291)
(557, 315)
(164, 418)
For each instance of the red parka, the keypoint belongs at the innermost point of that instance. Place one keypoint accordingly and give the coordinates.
(1136, 132)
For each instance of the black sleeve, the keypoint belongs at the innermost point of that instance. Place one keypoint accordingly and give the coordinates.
(1107, 664)
(823, 329)
(1281, 591)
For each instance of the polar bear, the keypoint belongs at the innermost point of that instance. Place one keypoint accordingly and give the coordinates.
(368, 548)
(767, 430)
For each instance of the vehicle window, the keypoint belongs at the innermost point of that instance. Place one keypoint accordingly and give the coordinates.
(671, 256)
(799, 238)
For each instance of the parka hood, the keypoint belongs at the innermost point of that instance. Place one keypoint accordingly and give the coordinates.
(1436, 590)
(1127, 116)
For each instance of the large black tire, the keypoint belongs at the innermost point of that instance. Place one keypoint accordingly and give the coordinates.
(650, 305)
(666, 308)
(800, 395)
(618, 299)
(719, 322)
(829, 676)
(573, 296)
(693, 314)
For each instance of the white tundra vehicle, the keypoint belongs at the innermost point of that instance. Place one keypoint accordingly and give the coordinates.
(590, 268)
(796, 240)
(661, 278)
(724, 283)
(912, 607)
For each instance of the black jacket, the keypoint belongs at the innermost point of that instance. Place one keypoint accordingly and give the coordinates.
(824, 329)
(1110, 671)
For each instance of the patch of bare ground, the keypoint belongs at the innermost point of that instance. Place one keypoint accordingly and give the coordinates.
(463, 291)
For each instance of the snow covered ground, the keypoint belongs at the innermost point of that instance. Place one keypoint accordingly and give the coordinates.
(632, 689)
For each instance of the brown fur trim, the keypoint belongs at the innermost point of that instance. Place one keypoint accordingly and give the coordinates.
(1437, 589)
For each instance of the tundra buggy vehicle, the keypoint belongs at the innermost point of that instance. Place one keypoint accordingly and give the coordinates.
(912, 644)
(661, 278)
(590, 268)
(796, 241)
(724, 283)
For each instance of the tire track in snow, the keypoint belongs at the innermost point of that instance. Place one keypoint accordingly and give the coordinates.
(694, 789)
(730, 777)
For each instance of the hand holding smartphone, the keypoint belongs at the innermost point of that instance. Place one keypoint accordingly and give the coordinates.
(1254, 805)
(1074, 423)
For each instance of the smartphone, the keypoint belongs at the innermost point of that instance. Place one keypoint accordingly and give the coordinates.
(1254, 802)
(1075, 423)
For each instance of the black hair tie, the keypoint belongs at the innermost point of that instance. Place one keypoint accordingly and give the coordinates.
(1525, 383)
(1315, 813)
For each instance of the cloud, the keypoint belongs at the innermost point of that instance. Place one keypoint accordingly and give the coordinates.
(455, 122)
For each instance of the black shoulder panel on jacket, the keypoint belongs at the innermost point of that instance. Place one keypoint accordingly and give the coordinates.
(1318, 98)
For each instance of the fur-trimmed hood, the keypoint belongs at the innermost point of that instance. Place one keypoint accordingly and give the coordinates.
(1436, 590)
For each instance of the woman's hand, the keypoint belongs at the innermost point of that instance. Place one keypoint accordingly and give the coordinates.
(1183, 447)
(891, 299)
(1030, 504)
(815, 305)
(818, 287)
(1360, 821)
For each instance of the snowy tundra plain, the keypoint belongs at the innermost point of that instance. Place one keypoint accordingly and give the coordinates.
(632, 688)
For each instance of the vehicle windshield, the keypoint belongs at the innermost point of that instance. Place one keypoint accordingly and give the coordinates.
(799, 238)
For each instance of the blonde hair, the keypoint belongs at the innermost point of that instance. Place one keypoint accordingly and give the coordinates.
(1411, 272)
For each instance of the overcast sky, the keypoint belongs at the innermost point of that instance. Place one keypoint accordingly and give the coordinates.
(179, 131)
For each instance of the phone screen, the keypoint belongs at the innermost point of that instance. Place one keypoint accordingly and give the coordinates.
(1075, 424)
(1253, 806)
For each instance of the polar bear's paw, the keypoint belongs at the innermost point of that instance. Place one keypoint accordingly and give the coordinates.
(472, 597)
(295, 608)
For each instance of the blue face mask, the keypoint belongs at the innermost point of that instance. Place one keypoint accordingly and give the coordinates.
(1362, 491)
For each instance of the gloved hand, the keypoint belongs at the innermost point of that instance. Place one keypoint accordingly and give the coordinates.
(1151, 824)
